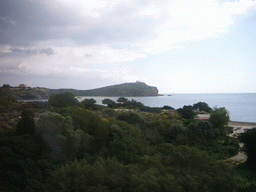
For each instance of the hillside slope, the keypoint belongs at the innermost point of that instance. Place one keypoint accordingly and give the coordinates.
(120, 90)
(125, 89)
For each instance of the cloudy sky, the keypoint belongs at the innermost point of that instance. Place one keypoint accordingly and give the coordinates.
(179, 46)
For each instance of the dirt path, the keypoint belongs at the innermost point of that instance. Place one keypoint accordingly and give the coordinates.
(239, 127)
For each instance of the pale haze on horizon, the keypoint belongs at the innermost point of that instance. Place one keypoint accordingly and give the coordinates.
(179, 46)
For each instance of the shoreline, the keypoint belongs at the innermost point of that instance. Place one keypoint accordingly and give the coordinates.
(240, 127)
(241, 124)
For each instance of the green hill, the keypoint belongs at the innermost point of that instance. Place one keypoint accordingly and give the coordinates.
(120, 90)
(125, 89)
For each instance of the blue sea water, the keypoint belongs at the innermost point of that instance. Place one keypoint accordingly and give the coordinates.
(241, 106)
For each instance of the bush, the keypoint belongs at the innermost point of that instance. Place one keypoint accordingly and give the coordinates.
(202, 106)
(186, 122)
(186, 114)
(248, 138)
(175, 131)
(62, 100)
(89, 103)
(219, 119)
(27, 123)
(130, 117)
(108, 112)
(202, 131)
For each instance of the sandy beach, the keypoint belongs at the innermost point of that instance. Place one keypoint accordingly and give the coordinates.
(241, 124)
(239, 127)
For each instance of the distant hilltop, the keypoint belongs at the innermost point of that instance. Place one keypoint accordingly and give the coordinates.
(125, 90)
(121, 90)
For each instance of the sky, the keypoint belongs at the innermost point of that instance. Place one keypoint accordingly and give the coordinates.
(179, 46)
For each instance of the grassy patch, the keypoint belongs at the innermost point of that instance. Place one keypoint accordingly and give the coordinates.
(246, 178)
(221, 149)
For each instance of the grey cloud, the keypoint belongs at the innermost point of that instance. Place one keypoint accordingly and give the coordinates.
(34, 20)
(27, 22)
(48, 51)
(17, 50)
(31, 52)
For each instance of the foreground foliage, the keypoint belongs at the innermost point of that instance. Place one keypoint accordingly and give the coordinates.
(71, 146)
(248, 138)
(169, 169)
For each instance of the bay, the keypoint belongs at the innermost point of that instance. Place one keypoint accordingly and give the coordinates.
(241, 106)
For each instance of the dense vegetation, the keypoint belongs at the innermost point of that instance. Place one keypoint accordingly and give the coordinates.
(66, 145)
(249, 141)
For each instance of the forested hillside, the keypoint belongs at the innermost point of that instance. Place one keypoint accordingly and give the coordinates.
(66, 145)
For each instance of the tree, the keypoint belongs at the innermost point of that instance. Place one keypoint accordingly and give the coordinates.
(108, 102)
(24, 166)
(202, 131)
(89, 103)
(59, 134)
(108, 112)
(202, 106)
(130, 117)
(248, 138)
(92, 124)
(168, 107)
(122, 100)
(26, 124)
(186, 114)
(62, 100)
(175, 131)
(188, 107)
(219, 118)
(6, 86)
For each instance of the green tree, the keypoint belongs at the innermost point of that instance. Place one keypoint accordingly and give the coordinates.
(92, 124)
(202, 106)
(219, 118)
(130, 117)
(26, 124)
(128, 148)
(186, 114)
(122, 100)
(201, 132)
(108, 112)
(62, 100)
(168, 107)
(89, 103)
(188, 107)
(175, 130)
(248, 138)
(102, 175)
(24, 166)
(6, 96)
(108, 102)
(59, 134)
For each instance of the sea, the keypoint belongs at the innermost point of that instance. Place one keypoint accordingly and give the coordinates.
(241, 106)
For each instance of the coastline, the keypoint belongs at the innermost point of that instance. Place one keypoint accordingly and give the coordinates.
(237, 124)
(240, 127)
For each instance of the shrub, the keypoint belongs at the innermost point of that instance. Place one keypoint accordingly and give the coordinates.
(108, 112)
(62, 100)
(27, 123)
(130, 117)
(249, 140)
